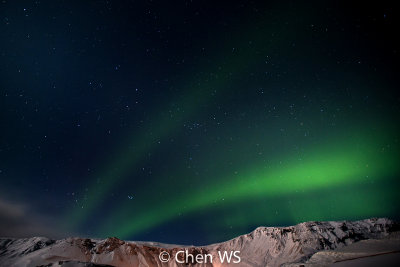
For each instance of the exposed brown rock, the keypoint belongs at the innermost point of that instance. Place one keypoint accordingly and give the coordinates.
(265, 246)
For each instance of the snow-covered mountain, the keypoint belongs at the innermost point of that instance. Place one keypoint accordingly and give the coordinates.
(265, 246)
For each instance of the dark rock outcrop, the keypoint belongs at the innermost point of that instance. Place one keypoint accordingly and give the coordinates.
(265, 246)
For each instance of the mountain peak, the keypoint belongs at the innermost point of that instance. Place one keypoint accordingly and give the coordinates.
(265, 246)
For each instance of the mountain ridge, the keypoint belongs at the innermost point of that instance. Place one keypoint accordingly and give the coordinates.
(265, 246)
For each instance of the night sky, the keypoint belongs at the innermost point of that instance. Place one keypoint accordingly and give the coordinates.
(195, 121)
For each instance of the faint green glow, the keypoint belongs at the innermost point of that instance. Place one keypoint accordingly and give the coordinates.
(350, 202)
(345, 163)
(164, 125)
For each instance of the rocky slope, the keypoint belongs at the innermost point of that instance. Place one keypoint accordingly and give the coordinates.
(364, 251)
(265, 246)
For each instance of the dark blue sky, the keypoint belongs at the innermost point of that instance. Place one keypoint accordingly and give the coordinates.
(110, 107)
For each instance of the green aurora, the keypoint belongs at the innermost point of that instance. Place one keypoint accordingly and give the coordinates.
(356, 161)
(347, 158)
(164, 125)
(194, 122)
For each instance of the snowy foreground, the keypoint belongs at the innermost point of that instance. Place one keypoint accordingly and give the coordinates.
(368, 242)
